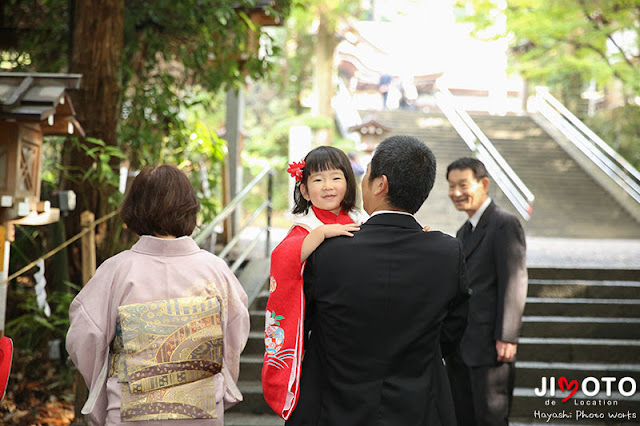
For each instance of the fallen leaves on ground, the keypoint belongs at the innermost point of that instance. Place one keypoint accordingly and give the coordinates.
(38, 393)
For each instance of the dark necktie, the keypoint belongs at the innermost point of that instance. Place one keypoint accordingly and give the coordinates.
(466, 232)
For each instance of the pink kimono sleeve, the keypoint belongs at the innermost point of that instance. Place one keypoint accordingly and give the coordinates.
(284, 326)
(87, 341)
(235, 334)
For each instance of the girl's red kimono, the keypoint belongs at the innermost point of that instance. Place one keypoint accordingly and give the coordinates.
(284, 325)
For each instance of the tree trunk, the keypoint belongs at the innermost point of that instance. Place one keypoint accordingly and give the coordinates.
(98, 38)
(323, 77)
(573, 100)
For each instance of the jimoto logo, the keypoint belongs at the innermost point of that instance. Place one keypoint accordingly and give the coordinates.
(590, 386)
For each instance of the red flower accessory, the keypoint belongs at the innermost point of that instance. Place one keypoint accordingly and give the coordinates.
(295, 170)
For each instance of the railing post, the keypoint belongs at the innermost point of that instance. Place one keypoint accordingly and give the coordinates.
(88, 242)
(269, 212)
(5, 247)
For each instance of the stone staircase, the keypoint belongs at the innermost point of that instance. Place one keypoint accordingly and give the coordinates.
(569, 203)
(579, 328)
(253, 410)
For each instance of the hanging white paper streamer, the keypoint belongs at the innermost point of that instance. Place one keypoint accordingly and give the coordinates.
(41, 292)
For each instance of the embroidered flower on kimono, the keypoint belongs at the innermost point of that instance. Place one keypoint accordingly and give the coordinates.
(295, 170)
(273, 335)
(272, 284)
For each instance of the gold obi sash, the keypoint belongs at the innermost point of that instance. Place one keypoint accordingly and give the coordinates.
(165, 354)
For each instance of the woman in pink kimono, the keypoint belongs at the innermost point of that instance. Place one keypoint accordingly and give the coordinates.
(157, 332)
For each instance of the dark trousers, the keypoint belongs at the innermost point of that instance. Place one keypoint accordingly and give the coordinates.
(482, 395)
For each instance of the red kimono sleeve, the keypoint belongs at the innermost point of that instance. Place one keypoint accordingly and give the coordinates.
(284, 325)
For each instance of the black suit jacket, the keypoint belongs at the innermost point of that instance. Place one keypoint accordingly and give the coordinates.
(380, 306)
(497, 272)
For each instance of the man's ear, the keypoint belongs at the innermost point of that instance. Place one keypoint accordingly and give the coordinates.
(304, 192)
(485, 184)
(380, 185)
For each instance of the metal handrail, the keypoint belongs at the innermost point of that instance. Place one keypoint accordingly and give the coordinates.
(504, 176)
(598, 151)
(249, 221)
(209, 231)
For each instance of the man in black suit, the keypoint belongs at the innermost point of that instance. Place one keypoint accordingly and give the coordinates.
(482, 372)
(383, 306)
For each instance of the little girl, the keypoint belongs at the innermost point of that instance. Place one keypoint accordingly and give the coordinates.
(324, 197)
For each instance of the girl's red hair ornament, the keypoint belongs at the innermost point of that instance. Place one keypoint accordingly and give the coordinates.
(295, 170)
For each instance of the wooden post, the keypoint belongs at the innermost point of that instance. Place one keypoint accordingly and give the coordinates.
(5, 245)
(88, 247)
(88, 243)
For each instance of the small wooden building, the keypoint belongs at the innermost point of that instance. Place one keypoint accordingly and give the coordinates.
(372, 133)
(31, 105)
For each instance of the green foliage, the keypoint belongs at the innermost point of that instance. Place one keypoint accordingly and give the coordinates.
(274, 145)
(552, 40)
(52, 159)
(104, 175)
(44, 43)
(293, 76)
(268, 144)
(29, 327)
(273, 109)
(564, 44)
(178, 56)
(27, 324)
(203, 158)
(26, 247)
(620, 128)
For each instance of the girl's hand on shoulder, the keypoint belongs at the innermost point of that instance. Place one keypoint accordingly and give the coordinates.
(337, 229)
(318, 235)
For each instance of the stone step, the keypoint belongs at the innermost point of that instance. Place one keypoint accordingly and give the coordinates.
(576, 350)
(255, 344)
(581, 327)
(584, 289)
(250, 366)
(233, 418)
(614, 308)
(260, 304)
(257, 319)
(579, 273)
(253, 401)
(529, 374)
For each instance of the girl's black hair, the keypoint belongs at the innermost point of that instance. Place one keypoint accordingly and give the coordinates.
(318, 160)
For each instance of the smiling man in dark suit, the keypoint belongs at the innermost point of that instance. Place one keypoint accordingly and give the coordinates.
(384, 306)
(482, 373)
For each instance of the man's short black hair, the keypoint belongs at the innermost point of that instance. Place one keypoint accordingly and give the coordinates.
(476, 166)
(410, 168)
